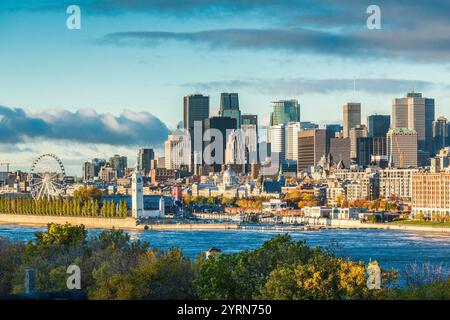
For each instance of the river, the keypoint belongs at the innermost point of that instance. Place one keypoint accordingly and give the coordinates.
(392, 249)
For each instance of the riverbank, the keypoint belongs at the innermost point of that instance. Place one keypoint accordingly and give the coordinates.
(107, 223)
(131, 224)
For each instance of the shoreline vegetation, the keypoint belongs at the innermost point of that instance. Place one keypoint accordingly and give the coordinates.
(115, 268)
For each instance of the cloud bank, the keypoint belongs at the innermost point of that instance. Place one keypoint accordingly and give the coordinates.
(318, 86)
(82, 126)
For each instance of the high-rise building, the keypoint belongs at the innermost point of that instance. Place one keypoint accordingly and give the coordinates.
(177, 150)
(285, 111)
(249, 127)
(416, 113)
(340, 151)
(278, 141)
(359, 131)
(352, 117)
(378, 125)
(119, 163)
(229, 107)
(212, 155)
(92, 167)
(235, 152)
(335, 128)
(195, 108)
(145, 155)
(441, 134)
(291, 140)
(312, 146)
(364, 151)
(402, 148)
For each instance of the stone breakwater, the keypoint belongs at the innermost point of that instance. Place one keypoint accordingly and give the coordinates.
(108, 223)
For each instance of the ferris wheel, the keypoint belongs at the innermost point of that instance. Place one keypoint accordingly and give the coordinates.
(47, 177)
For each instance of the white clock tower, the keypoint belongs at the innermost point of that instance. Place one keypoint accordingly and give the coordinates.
(137, 195)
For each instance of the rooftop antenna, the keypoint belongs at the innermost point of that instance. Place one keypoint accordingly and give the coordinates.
(354, 89)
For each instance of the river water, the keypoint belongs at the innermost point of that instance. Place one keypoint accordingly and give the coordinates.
(391, 248)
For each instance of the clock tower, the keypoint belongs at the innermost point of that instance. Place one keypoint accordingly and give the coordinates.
(137, 195)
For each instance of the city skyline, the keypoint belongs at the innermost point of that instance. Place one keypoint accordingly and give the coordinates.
(130, 67)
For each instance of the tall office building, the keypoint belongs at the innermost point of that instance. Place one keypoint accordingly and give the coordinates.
(312, 146)
(278, 141)
(340, 151)
(118, 163)
(415, 113)
(378, 125)
(224, 125)
(441, 134)
(229, 107)
(249, 126)
(402, 148)
(291, 140)
(177, 151)
(352, 117)
(195, 108)
(92, 167)
(359, 131)
(364, 151)
(285, 111)
(145, 156)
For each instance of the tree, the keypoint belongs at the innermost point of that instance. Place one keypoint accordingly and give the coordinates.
(61, 234)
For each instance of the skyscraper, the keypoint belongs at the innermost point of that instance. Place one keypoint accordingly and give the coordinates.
(118, 163)
(340, 151)
(291, 140)
(441, 134)
(359, 131)
(195, 108)
(92, 167)
(285, 111)
(378, 125)
(177, 150)
(402, 148)
(224, 125)
(313, 144)
(352, 117)
(416, 113)
(249, 126)
(278, 141)
(145, 156)
(229, 107)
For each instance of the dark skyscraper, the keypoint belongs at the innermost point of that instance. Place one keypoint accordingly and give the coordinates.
(119, 163)
(229, 107)
(430, 116)
(222, 124)
(441, 136)
(145, 156)
(378, 125)
(195, 108)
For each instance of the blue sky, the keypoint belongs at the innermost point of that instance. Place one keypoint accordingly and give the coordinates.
(117, 84)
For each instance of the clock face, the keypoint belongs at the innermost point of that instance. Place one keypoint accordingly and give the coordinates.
(139, 180)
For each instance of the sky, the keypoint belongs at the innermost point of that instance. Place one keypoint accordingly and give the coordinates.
(117, 84)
